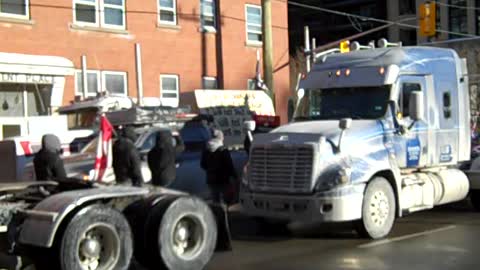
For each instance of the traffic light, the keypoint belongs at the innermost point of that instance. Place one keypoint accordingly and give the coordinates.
(345, 46)
(428, 19)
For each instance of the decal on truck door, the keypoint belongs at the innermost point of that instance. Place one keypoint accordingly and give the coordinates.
(446, 153)
(413, 152)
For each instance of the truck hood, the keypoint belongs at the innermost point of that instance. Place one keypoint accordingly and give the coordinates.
(360, 130)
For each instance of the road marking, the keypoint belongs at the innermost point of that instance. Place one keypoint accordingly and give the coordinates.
(405, 237)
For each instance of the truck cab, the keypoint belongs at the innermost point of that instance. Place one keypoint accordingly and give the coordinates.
(376, 134)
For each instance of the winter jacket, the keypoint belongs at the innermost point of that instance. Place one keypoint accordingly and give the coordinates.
(162, 157)
(218, 164)
(47, 162)
(126, 159)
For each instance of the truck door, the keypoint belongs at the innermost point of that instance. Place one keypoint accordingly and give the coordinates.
(412, 146)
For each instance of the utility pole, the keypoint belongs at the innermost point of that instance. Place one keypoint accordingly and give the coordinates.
(268, 46)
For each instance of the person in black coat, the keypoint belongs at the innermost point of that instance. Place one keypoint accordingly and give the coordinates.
(162, 157)
(218, 165)
(126, 161)
(47, 162)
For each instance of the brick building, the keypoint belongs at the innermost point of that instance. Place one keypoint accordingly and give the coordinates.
(185, 45)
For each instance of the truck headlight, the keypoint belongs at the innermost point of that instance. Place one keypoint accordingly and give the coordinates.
(330, 180)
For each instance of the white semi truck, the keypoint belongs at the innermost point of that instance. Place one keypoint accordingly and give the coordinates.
(377, 134)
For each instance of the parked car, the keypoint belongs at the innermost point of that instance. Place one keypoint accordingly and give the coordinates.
(190, 176)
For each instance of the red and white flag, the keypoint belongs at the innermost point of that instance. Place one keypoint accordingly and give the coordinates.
(103, 161)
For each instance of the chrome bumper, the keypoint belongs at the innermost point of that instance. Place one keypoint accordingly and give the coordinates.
(341, 204)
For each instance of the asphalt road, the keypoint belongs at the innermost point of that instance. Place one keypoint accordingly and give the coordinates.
(443, 238)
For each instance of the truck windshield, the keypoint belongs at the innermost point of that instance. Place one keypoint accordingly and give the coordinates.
(338, 103)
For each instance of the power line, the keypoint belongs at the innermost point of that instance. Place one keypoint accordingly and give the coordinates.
(126, 11)
(457, 6)
(366, 18)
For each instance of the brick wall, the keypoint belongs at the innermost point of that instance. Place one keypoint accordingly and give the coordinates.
(178, 50)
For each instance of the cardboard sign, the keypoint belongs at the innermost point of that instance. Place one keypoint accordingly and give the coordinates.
(230, 108)
(258, 101)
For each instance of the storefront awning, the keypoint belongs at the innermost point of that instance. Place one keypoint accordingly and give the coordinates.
(35, 64)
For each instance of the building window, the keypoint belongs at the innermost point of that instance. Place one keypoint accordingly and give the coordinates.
(115, 82)
(93, 83)
(167, 12)
(407, 7)
(209, 83)
(457, 17)
(14, 8)
(22, 100)
(100, 13)
(254, 23)
(169, 90)
(208, 15)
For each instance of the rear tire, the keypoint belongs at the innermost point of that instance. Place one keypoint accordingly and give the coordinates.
(97, 238)
(181, 235)
(378, 210)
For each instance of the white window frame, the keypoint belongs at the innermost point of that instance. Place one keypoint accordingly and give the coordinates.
(16, 16)
(79, 92)
(104, 81)
(214, 15)
(253, 24)
(102, 9)
(170, 101)
(174, 10)
(87, 3)
(99, 6)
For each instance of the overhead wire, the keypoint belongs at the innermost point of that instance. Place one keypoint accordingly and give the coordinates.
(367, 18)
(457, 6)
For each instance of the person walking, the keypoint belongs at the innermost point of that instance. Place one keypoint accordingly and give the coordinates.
(47, 162)
(218, 165)
(162, 159)
(126, 161)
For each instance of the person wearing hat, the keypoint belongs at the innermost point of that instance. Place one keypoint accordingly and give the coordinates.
(126, 161)
(218, 165)
(47, 162)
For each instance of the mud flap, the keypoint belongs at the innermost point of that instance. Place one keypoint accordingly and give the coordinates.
(224, 239)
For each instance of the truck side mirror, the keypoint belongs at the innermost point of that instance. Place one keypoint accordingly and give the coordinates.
(249, 125)
(345, 123)
(415, 107)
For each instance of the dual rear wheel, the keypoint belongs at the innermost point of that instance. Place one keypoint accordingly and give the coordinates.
(180, 233)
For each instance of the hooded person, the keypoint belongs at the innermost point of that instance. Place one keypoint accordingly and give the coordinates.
(218, 165)
(161, 159)
(47, 162)
(126, 161)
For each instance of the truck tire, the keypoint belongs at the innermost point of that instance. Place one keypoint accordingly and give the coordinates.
(181, 235)
(97, 238)
(378, 209)
(475, 199)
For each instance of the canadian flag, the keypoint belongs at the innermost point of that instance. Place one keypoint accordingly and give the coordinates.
(103, 161)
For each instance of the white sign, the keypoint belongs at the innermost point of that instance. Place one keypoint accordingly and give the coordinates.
(25, 78)
(258, 101)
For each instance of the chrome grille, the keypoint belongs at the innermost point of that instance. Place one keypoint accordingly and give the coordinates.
(281, 168)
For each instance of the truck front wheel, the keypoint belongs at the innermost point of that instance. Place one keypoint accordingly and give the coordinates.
(378, 209)
(97, 238)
